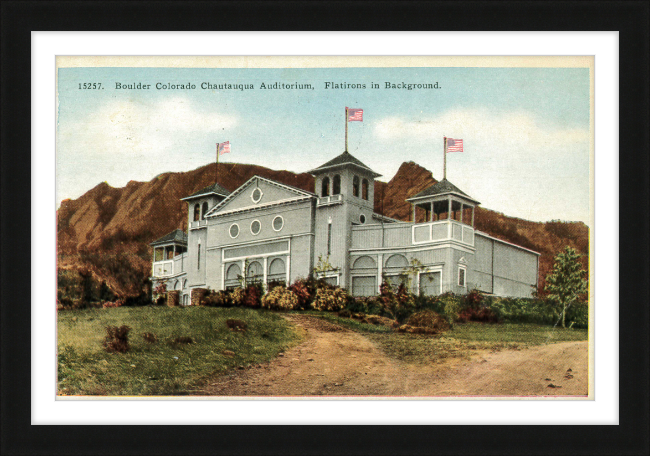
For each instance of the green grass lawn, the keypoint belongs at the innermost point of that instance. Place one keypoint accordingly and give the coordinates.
(462, 341)
(161, 368)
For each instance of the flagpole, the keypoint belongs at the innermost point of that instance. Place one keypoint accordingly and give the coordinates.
(346, 128)
(217, 178)
(444, 166)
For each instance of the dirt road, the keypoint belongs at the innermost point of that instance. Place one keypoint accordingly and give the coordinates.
(335, 361)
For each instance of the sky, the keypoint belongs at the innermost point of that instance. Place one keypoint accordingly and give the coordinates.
(525, 130)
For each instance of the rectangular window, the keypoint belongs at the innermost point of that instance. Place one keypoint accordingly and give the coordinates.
(461, 277)
(198, 257)
(329, 238)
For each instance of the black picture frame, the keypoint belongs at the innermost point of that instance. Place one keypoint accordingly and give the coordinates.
(630, 18)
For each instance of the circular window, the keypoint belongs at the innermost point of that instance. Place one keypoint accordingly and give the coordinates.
(256, 196)
(256, 226)
(234, 230)
(362, 218)
(278, 223)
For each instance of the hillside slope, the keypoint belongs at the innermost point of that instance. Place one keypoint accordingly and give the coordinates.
(107, 231)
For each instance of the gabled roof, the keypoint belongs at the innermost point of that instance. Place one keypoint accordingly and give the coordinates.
(300, 193)
(178, 236)
(441, 188)
(346, 158)
(214, 189)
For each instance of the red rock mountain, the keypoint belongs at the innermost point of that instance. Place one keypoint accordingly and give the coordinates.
(107, 230)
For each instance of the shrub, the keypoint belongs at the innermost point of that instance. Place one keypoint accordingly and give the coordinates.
(398, 305)
(117, 339)
(238, 296)
(473, 299)
(578, 315)
(280, 298)
(428, 319)
(217, 299)
(450, 307)
(330, 299)
(301, 290)
(254, 294)
(150, 338)
(483, 315)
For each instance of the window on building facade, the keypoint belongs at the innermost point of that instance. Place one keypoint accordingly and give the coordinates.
(256, 196)
(278, 223)
(204, 210)
(256, 226)
(234, 230)
(329, 238)
(325, 187)
(461, 276)
(336, 185)
(197, 212)
(364, 189)
(362, 219)
(355, 186)
(198, 257)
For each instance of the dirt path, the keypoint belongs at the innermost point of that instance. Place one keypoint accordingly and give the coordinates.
(335, 361)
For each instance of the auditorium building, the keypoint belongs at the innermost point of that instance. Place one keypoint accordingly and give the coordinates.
(269, 232)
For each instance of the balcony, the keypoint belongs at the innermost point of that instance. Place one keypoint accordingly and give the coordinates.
(393, 235)
(198, 224)
(330, 200)
(163, 268)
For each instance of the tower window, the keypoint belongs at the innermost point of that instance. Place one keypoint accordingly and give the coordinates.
(329, 238)
(461, 276)
(325, 187)
(198, 257)
(204, 210)
(355, 186)
(336, 185)
(364, 189)
(362, 219)
(197, 212)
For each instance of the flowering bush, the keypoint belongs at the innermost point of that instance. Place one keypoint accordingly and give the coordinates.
(302, 293)
(428, 319)
(253, 296)
(237, 296)
(280, 298)
(483, 315)
(217, 299)
(331, 299)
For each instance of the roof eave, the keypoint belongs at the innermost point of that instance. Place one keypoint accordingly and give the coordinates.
(339, 165)
(460, 195)
(191, 197)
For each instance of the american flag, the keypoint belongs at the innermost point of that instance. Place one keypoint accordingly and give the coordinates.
(223, 148)
(355, 115)
(454, 145)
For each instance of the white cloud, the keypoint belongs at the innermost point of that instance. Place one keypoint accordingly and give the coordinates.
(133, 140)
(481, 130)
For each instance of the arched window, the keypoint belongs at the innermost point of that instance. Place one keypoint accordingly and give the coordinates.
(364, 262)
(364, 189)
(234, 271)
(397, 261)
(254, 273)
(336, 185)
(355, 186)
(325, 187)
(204, 210)
(197, 212)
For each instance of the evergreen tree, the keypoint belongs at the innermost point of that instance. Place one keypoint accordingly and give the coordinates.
(567, 281)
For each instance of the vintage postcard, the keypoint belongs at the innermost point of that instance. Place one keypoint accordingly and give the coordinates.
(325, 227)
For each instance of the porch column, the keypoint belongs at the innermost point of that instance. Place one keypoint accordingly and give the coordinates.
(380, 272)
(472, 216)
(431, 219)
(414, 206)
(462, 206)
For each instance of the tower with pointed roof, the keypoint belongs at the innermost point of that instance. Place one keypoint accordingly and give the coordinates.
(345, 187)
